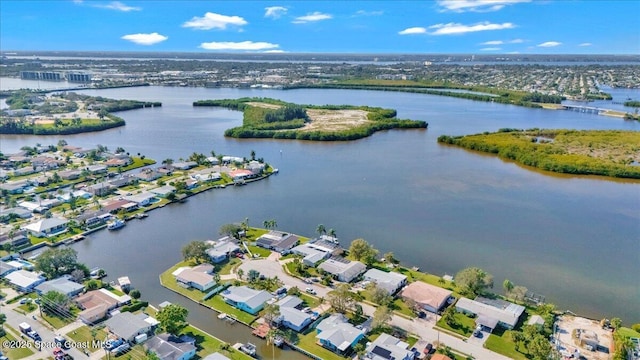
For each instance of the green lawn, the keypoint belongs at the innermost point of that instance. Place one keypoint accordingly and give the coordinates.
(207, 344)
(254, 233)
(500, 341)
(308, 343)
(216, 302)
(83, 334)
(464, 325)
(14, 353)
(310, 301)
(227, 265)
(434, 280)
(58, 322)
(260, 251)
(628, 332)
(137, 162)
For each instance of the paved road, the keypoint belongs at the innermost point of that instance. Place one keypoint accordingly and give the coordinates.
(271, 267)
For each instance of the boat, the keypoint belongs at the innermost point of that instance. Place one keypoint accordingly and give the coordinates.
(116, 224)
(278, 341)
(222, 316)
(97, 273)
(141, 215)
(248, 348)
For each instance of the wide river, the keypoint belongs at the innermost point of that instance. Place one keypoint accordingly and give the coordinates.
(575, 240)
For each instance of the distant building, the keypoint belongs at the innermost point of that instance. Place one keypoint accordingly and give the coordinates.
(343, 269)
(491, 312)
(25, 281)
(389, 281)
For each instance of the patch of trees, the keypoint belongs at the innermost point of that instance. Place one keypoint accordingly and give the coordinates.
(543, 98)
(474, 281)
(54, 262)
(632, 103)
(9, 126)
(569, 152)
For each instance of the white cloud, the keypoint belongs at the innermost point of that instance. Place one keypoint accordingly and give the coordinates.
(413, 31)
(516, 41)
(476, 5)
(455, 28)
(118, 6)
(214, 21)
(145, 39)
(493, 42)
(78, 1)
(550, 44)
(275, 11)
(242, 45)
(315, 16)
(491, 49)
(274, 51)
(586, 44)
(368, 13)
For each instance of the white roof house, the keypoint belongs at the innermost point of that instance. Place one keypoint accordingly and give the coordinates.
(343, 269)
(290, 315)
(142, 199)
(245, 298)
(311, 254)
(62, 285)
(25, 280)
(198, 277)
(335, 332)
(47, 226)
(390, 281)
(492, 311)
(163, 191)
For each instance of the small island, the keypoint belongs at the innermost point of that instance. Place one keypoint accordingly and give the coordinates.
(611, 153)
(271, 118)
(36, 113)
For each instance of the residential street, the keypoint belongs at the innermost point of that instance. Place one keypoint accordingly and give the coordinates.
(271, 267)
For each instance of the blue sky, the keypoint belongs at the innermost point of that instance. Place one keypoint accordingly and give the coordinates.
(444, 26)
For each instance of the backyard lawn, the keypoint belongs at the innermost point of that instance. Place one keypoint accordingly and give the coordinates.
(15, 352)
(260, 251)
(83, 335)
(500, 341)
(308, 343)
(464, 325)
(207, 344)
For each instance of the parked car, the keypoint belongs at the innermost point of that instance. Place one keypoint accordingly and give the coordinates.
(428, 349)
(310, 291)
(24, 301)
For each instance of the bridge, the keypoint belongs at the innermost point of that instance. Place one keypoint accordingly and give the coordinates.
(585, 109)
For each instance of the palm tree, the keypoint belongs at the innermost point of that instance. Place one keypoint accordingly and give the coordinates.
(253, 155)
(240, 273)
(331, 233)
(321, 229)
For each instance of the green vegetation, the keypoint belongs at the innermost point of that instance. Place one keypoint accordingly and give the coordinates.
(85, 334)
(271, 118)
(207, 344)
(459, 323)
(308, 343)
(633, 103)
(14, 352)
(501, 342)
(61, 127)
(584, 152)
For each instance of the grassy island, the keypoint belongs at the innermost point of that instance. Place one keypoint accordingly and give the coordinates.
(591, 152)
(33, 113)
(271, 118)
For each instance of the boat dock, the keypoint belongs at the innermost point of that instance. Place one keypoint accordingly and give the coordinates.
(261, 331)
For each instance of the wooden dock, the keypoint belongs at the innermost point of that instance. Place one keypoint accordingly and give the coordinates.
(261, 331)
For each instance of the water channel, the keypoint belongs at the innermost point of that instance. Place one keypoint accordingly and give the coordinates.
(575, 240)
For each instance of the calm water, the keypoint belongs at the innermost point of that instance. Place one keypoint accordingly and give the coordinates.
(575, 240)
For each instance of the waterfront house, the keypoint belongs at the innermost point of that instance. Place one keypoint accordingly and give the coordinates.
(343, 269)
(163, 191)
(255, 167)
(170, 347)
(148, 175)
(62, 285)
(69, 174)
(184, 165)
(221, 250)
(428, 297)
(206, 175)
(142, 199)
(387, 347)
(491, 312)
(216, 356)
(16, 239)
(198, 277)
(246, 299)
(113, 206)
(314, 252)
(24, 280)
(277, 241)
(337, 334)
(96, 304)
(122, 180)
(389, 281)
(290, 314)
(240, 174)
(127, 326)
(124, 283)
(232, 159)
(47, 227)
(99, 189)
(213, 160)
(14, 187)
(16, 212)
(97, 169)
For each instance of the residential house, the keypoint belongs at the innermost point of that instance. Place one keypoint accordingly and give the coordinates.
(113, 206)
(127, 326)
(390, 281)
(163, 191)
(6, 268)
(198, 277)
(24, 280)
(337, 334)
(290, 314)
(343, 269)
(428, 297)
(216, 356)
(142, 199)
(491, 312)
(184, 165)
(222, 249)
(76, 194)
(62, 285)
(99, 189)
(314, 252)
(97, 169)
(206, 175)
(213, 160)
(387, 347)
(148, 175)
(240, 174)
(47, 227)
(169, 347)
(246, 299)
(16, 212)
(277, 241)
(255, 167)
(122, 180)
(32, 206)
(14, 187)
(15, 239)
(70, 174)
(232, 159)
(96, 304)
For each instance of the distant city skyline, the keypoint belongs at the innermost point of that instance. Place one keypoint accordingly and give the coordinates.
(443, 26)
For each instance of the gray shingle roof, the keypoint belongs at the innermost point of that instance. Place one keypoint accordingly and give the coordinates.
(243, 294)
(126, 325)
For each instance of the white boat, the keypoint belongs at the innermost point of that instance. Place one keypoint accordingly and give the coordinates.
(115, 225)
(141, 215)
(222, 316)
(248, 348)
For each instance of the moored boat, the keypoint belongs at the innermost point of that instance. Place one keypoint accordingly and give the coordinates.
(116, 224)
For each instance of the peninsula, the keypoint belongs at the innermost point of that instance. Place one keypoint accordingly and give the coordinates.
(610, 153)
(271, 118)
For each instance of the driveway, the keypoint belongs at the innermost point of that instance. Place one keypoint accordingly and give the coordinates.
(271, 268)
